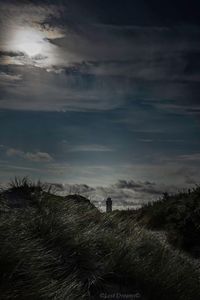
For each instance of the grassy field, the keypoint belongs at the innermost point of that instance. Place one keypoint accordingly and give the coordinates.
(55, 247)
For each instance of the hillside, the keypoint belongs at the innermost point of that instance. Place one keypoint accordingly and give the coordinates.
(55, 247)
(179, 216)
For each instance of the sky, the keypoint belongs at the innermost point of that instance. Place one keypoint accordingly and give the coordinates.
(101, 96)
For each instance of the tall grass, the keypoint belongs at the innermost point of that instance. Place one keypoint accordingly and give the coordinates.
(57, 248)
(179, 216)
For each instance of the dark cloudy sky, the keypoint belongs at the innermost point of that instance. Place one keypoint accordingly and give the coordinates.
(101, 92)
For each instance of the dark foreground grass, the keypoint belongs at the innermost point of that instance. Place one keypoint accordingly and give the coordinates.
(57, 248)
(179, 216)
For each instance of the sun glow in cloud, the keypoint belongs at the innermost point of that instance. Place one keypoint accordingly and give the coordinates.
(29, 41)
(30, 46)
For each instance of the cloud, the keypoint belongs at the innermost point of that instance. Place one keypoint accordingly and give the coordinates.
(45, 91)
(125, 194)
(155, 67)
(189, 174)
(11, 53)
(62, 91)
(186, 158)
(6, 77)
(74, 189)
(25, 36)
(129, 193)
(112, 62)
(90, 148)
(25, 12)
(147, 53)
(190, 157)
(142, 187)
(14, 152)
(139, 75)
(36, 157)
(143, 52)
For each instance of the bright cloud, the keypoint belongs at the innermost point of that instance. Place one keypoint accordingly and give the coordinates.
(36, 157)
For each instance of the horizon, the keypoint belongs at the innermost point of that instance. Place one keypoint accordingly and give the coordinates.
(125, 195)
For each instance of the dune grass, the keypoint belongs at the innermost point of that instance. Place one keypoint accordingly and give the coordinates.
(178, 215)
(57, 248)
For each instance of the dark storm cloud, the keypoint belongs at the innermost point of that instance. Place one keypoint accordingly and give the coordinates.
(134, 44)
(150, 49)
(145, 187)
(131, 12)
(11, 54)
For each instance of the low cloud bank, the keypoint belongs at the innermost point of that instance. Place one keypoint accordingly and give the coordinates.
(125, 193)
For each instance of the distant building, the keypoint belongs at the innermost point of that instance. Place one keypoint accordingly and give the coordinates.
(108, 205)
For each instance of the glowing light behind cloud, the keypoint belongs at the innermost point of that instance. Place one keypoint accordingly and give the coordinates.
(29, 41)
(34, 45)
